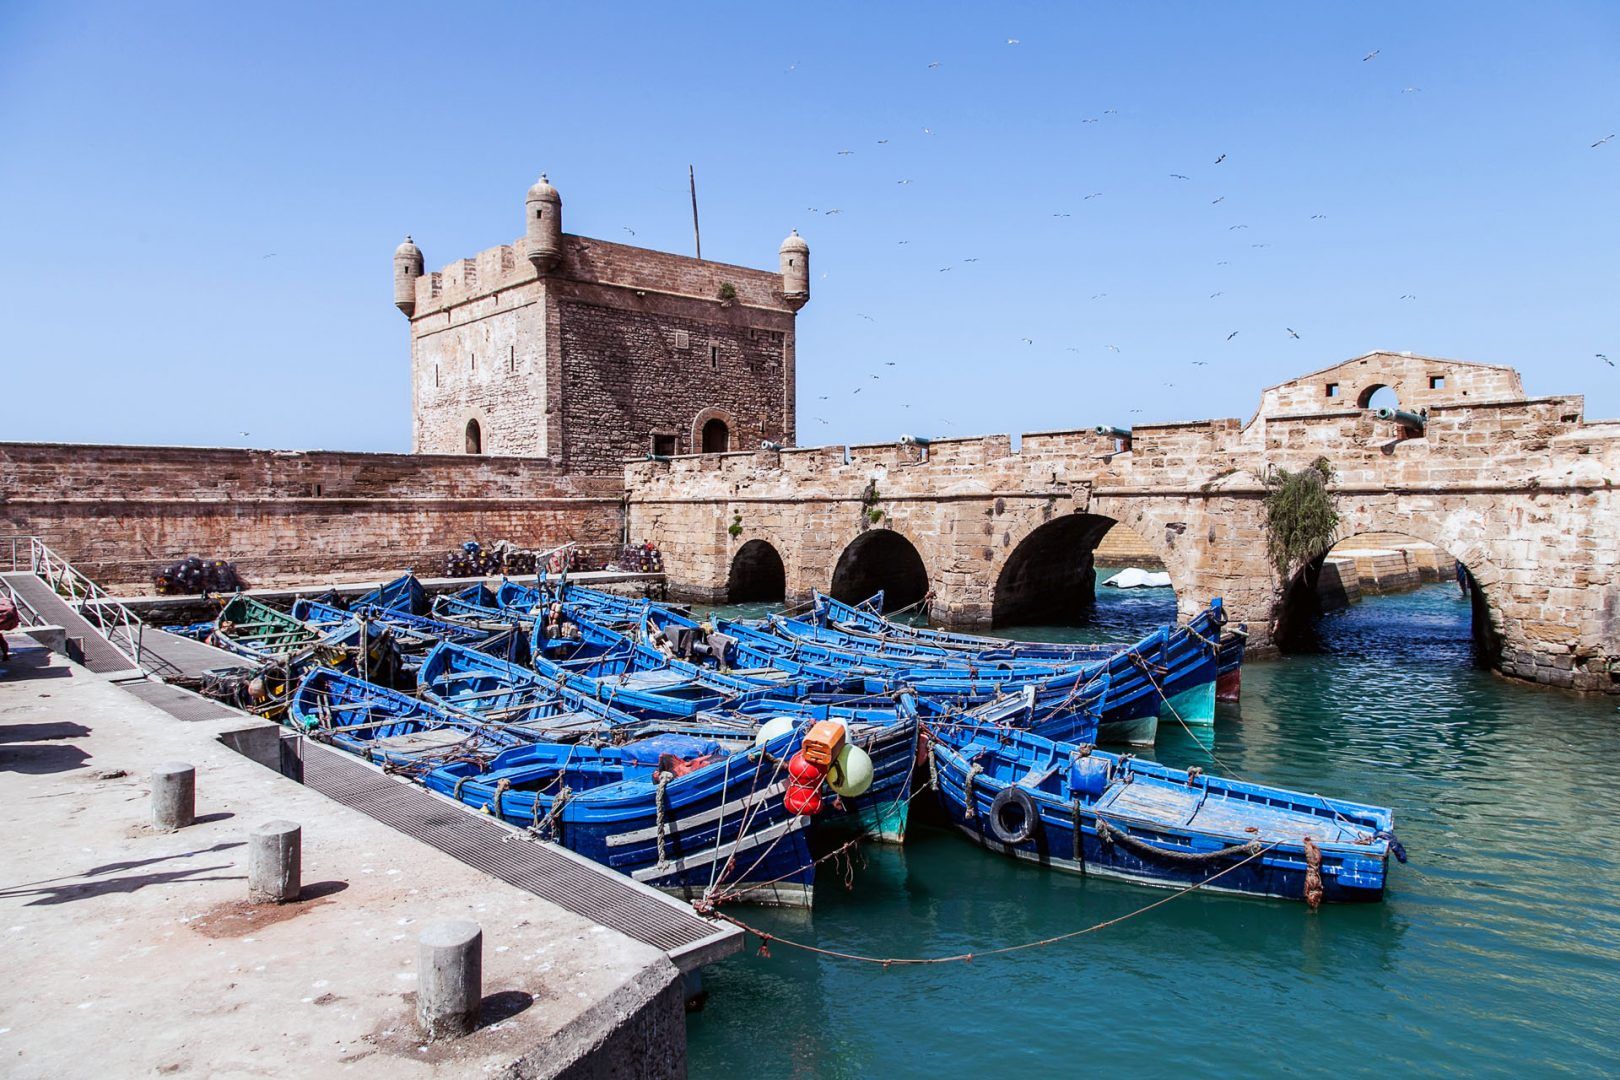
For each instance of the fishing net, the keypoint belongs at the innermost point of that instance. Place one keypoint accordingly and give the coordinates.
(191, 576)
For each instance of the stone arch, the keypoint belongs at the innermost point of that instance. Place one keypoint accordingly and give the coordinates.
(1048, 574)
(1297, 604)
(701, 425)
(475, 436)
(757, 573)
(880, 559)
(1364, 400)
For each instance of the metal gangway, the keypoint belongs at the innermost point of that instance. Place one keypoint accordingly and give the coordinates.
(48, 591)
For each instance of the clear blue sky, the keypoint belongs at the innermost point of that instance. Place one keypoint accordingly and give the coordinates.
(155, 156)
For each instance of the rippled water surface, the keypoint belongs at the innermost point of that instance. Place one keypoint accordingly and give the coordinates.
(1495, 952)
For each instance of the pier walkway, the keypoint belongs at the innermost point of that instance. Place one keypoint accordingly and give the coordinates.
(149, 931)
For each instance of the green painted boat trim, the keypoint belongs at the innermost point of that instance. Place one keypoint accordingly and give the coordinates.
(1196, 707)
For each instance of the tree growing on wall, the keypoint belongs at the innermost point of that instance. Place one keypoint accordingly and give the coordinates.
(1302, 516)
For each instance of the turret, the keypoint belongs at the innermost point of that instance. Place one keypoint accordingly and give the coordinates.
(544, 230)
(795, 255)
(407, 268)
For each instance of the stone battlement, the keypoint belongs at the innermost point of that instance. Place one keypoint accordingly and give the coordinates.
(599, 262)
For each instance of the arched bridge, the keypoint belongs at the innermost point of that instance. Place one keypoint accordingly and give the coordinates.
(1518, 489)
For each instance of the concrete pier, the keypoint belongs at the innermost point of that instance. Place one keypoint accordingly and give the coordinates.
(144, 956)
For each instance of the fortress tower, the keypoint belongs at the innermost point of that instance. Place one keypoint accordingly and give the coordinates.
(589, 352)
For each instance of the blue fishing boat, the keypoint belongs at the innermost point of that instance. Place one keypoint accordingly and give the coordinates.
(700, 817)
(1070, 807)
(404, 594)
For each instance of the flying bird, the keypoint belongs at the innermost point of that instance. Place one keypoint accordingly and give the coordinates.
(1292, 332)
(1213, 295)
(902, 241)
(1413, 90)
(1136, 410)
(1179, 176)
(1026, 341)
(1110, 112)
(1229, 228)
(1113, 348)
(629, 230)
(1013, 41)
(821, 420)
(834, 210)
(856, 391)
(883, 142)
(1090, 120)
(902, 181)
(1220, 159)
(1369, 56)
(928, 131)
(1200, 363)
(1213, 202)
(1093, 195)
(1098, 296)
(935, 64)
(1600, 356)
(1318, 217)
(271, 255)
(1408, 296)
(1601, 141)
(974, 259)
(888, 363)
(1259, 245)
(943, 269)
(1062, 215)
(1223, 262)
(1232, 335)
(865, 316)
(845, 153)
(823, 397)
(246, 433)
(877, 376)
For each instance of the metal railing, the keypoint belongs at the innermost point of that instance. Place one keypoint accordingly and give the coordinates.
(111, 619)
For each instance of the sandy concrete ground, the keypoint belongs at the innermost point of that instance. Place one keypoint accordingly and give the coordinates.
(132, 953)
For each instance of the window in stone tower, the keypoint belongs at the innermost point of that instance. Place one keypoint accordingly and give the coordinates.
(714, 357)
(683, 340)
(1332, 389)
(475, 438)
(435, 375)
(511, 358)
(663, 445)
(1437, 382)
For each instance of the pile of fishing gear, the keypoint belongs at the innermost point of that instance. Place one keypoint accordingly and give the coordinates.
(192, 576)
(504, 557)
(643, 558)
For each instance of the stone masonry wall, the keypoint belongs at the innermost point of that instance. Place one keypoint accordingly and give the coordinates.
(1521, 491)
(117, 512)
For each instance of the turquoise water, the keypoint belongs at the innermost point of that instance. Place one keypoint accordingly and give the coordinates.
(1496, 951)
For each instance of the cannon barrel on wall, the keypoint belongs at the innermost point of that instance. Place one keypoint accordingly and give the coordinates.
(915, 440)
(1113, 432)
(1404, 418)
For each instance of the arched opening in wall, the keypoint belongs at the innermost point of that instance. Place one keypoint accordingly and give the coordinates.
(756, 574)
(1084, 570)
(716, 437)
(475, 438)
(1388, 595)
(880, 560)
(1378, 396)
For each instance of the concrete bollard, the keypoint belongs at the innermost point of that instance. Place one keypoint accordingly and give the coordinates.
(449, 978)
(174, 795)
(274, 870)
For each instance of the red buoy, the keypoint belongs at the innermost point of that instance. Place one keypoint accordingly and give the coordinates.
(801, 799)
(804, 771)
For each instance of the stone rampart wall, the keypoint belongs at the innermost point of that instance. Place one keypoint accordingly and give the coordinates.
(117, 512)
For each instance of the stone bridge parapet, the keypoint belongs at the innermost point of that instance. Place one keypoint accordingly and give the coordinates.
(1518, 489)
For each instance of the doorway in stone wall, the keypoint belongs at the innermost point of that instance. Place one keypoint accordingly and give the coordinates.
(716, 437)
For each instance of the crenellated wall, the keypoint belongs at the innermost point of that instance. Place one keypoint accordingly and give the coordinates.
(1519, 490)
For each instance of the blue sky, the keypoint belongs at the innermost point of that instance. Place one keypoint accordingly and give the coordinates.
(198, 203)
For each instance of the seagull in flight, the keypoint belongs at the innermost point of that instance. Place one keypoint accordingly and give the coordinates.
(1062, 215)
(845, 153)
(1213, 202)
(1026, 341)
(1113, 348)
(1013, 41)
(1232, 335)
(1229, 228)
(821, 420)
(1091, 120)
(1413, 90)
(928, 131)
(935, 64)
(1292, 332)
(1098, 296)
(902, 181)
(1093, 195)
(865, 316)
(1179, 176)
(1213, 295)
(269, 256)
(1601, 141)
(1136, 410)
(1220, 159)
(1600, 356)
(943, 269)
(883, 142)
(1200, 363)
(629, 230)
(888, 363)
(855, 391)
(1408, 296)
(835, 210)
(974, 259)
(1318, 217)
(1369, 56)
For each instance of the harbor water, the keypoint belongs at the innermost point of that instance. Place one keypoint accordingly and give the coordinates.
(1496, 951)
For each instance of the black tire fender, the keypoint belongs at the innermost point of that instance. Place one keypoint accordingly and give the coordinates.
(1015, 831)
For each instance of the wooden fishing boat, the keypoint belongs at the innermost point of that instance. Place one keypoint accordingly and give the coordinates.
(1072, 808)
(259, 631)
(696, 816)
(404, 594)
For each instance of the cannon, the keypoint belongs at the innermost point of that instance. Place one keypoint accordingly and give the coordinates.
(1113, 432)
(1415, 421)
(915, 440)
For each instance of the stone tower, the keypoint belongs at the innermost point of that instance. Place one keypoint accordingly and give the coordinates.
(589, 352)
(794, 256)
(407, 268)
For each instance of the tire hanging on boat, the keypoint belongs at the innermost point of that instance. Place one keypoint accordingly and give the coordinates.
(1019, 831)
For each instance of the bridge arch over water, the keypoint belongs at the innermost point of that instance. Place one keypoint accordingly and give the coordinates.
(880, 559)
